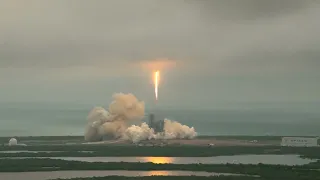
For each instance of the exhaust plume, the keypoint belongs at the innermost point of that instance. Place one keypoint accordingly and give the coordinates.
(124, 110)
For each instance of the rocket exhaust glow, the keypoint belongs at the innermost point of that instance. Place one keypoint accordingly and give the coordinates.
(156, 84)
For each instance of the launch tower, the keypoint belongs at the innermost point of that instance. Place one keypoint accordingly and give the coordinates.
(157, 126)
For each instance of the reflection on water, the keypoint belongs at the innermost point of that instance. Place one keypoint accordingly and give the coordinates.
(183, 173)
(237, 159)
(157, 160)
(83, 174)
(156, 173)
(26, 151)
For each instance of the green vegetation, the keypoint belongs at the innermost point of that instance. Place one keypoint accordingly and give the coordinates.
(259, 138)
(265, 171)
(36, 140)
(81, 138)
(170, 151)
(62, 139)
(23, 165)
(249, 138)
(43, 138)
(194, 178)
(168, 178)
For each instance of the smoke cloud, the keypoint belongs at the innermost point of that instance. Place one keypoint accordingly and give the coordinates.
(175, 130)
(124, 110)
(138, 133)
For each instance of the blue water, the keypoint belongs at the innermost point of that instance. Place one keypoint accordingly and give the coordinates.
(29, 119)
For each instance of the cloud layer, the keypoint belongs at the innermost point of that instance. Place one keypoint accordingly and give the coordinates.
(61, 41)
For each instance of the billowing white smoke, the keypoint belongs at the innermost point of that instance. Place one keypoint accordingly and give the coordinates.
(138, 133)
(175, 130)
(124, 109)
(171, 130)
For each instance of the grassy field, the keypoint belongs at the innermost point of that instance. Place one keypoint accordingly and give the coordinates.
(197, 178)
(168, 178)
(81, 138)
(34, 140)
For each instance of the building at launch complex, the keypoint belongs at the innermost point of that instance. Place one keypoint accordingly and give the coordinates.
(157, 126)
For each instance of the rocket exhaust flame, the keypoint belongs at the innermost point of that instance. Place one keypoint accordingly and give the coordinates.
(156, 83)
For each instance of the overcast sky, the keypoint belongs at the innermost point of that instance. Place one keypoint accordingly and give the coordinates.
(210, 52)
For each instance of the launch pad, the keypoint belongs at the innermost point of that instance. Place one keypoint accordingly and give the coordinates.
(157, 126)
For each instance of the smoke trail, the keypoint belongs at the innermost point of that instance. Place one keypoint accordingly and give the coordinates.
(125, 109)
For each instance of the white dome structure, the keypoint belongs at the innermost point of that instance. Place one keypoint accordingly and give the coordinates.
(13, 142)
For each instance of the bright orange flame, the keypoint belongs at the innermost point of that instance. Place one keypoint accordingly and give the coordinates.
(156, 83)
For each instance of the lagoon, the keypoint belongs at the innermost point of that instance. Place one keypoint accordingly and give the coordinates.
(287, 159)
(83, 174)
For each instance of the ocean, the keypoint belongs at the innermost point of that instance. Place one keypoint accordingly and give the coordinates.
(47, 120)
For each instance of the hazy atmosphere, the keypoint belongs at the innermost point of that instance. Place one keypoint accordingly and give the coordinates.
(218, 51)
(216, 55)
(159, 89)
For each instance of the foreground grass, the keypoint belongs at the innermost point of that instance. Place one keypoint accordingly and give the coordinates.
(169, 151)
(167, 178)
(194, 178)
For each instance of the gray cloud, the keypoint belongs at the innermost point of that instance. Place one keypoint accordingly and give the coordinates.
(250, 10)
(73, 33)
(63, 33)
(261, 62)
(54, 43)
